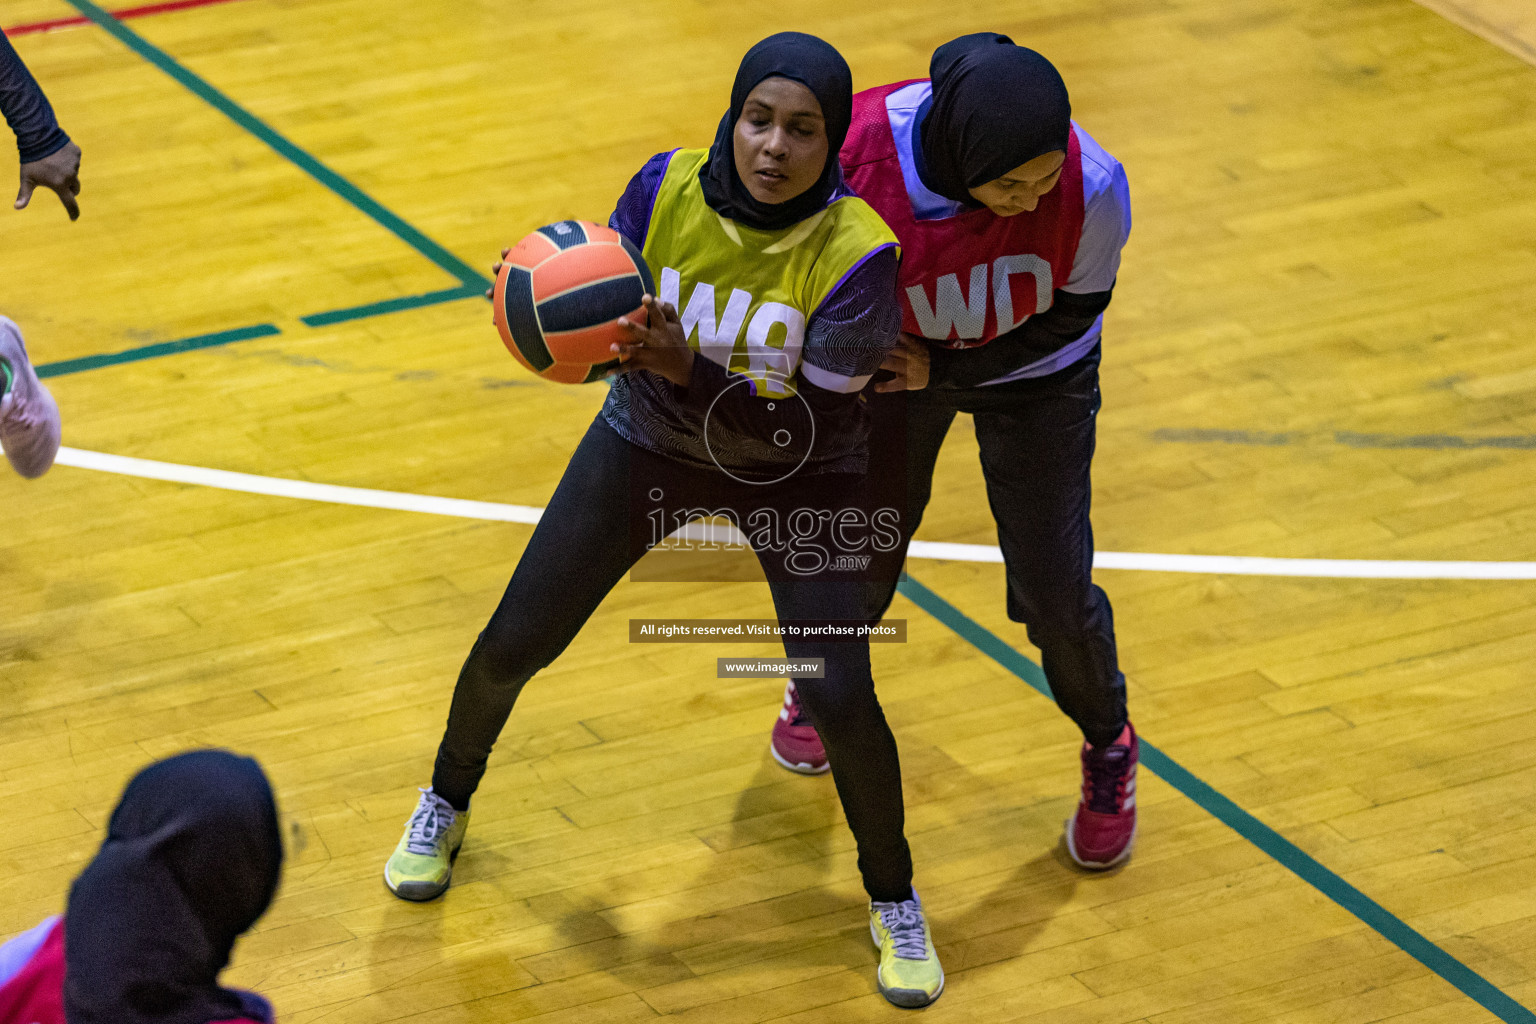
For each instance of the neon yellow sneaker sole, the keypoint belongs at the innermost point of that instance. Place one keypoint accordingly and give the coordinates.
(422, 865)
(904, 980)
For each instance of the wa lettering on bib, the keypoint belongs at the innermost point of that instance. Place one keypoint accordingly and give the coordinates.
(745, 296)
(967, 275)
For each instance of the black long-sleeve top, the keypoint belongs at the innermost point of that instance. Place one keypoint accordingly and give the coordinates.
(1069, 318)
(26, 109)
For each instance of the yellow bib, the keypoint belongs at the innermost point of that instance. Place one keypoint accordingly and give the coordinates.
(745, 295)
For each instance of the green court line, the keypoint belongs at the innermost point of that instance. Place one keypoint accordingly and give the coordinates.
(466, 274)
(1383, 921)
(337, 316)
(164, 348)
(1272, 843)
(472, 284)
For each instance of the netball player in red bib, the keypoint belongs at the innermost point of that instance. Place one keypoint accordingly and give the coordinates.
(1011, 220)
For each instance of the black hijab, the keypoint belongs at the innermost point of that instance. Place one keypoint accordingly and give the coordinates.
(191, 860)
(816, 65)
(995, 106)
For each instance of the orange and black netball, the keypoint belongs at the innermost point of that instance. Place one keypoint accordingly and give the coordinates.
(559, 296)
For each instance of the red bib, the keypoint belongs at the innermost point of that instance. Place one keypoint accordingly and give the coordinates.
(36, 993)
(961, 275)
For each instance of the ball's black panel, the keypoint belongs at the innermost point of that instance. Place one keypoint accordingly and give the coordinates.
(566, 233)
(523, 319)
(600, 370)
(591, 304)
(640, 265)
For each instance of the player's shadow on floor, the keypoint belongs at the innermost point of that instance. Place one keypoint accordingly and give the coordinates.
(1021, 913)
(762, 900)
(769, 900)
(966, 828)
(787, 838)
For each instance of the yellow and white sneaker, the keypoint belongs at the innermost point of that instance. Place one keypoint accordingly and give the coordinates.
(909, 973)
(422, 863)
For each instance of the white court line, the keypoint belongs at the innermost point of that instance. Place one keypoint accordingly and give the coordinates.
(1233, 565)
(278, 487)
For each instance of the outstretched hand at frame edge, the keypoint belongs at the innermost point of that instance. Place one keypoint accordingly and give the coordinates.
(59, 171)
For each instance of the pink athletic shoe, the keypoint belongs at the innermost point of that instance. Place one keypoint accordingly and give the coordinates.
(29, 418)
(1101, 831)
(795, 744)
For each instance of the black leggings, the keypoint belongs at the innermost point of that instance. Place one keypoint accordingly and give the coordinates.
(1037, 439)
(589, 537)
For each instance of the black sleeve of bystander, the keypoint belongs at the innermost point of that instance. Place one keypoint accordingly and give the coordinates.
(26, 109)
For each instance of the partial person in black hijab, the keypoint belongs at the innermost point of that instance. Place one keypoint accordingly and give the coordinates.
(972, 131)
(191, 860)
(815, 64)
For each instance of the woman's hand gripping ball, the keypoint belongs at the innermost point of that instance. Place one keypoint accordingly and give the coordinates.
(658, 345)
(490, 292)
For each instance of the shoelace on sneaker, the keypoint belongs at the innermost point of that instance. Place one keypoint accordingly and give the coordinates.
(433, 817)
(904, 921)
(793, 712)
(1105, 773)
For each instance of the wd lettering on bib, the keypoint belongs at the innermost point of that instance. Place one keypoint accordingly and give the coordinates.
(954, 313)
(967, 275)
(745, 296)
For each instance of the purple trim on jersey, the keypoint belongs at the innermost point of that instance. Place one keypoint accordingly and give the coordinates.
(856, 325)
(655, 190)
(631, 217)
(255, 1006)
(842, 191)
(1106, 206)
(848, 337)
(851, 271)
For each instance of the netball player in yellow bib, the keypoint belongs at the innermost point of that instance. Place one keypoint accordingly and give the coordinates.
(739, 398)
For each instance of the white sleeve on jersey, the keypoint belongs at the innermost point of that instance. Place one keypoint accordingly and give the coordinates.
(1106, 219)
(18, 952)
(1106, 226)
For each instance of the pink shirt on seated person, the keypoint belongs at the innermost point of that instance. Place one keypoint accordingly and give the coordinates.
(32, 979)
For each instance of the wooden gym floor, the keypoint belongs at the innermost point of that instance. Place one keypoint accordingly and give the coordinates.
(1321, 347)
